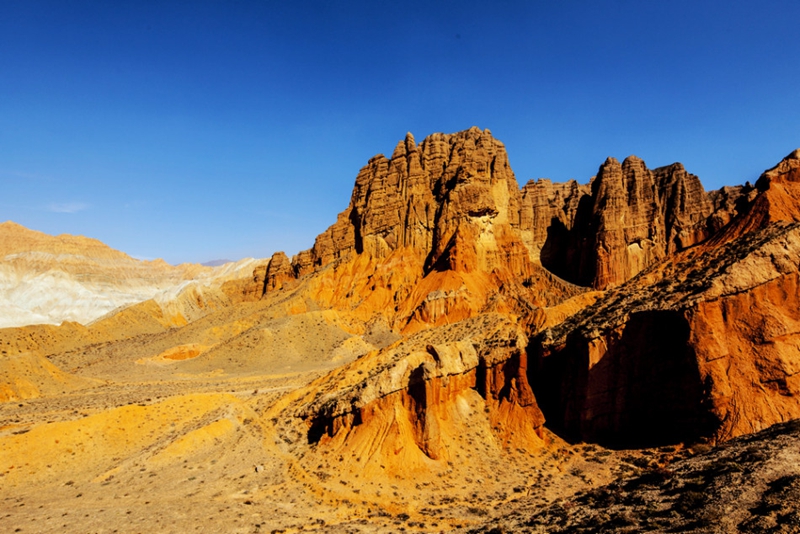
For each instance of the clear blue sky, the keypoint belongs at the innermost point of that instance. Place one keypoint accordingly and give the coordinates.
(200, 130)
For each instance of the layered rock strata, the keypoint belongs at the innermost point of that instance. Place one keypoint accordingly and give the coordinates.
(700, 348)
(409, 402)
(445, 214)
(48, 279)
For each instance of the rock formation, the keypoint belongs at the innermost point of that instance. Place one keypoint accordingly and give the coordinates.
(430, 359)
(411, 402)
(452, 203)
(430, 198)
(702, 346)
(634, 367)
(632, 218)
(548, 213)
(445, 214)
(279, 270)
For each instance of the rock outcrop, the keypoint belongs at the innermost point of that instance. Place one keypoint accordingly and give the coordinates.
(279, 271)
(452, 203)
(430, 198)
(440, 233)
(445, 215)
(547, 216)
(776, 197)
(632, 218)
(701, 347)
(412, 402)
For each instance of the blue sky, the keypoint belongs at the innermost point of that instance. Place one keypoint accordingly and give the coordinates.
(200, 130)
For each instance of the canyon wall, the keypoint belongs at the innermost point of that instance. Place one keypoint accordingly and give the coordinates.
(702, 346)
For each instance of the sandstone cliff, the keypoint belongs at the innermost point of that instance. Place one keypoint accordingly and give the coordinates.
(699, 347)
(440, 233)
(409, 406)
(452, 203)
(631, 218)
(431, 236)
(423, 197)
(630, 366)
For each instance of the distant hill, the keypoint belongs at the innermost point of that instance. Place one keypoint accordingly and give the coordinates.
(47, 279)
(215, 263)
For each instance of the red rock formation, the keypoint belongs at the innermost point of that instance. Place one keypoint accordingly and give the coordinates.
(703, 346)
(634, 218)
(452, 203)
(450, 208)
(422, 198)
(776, 197)
(630, 218)
(409, 403)
(439, 234)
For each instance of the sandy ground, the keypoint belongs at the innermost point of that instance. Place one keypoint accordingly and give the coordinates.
(187, 430)
(203, 455)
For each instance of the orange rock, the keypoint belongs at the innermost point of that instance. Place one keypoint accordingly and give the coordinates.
(431, 236)
(406, 406)
(703, 348)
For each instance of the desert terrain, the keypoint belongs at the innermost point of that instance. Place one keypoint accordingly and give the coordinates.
(455, 353)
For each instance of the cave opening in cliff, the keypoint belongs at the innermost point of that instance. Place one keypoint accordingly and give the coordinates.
(319, 427)
(638, 387)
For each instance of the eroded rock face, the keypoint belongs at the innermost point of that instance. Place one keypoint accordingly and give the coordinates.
(776, 197)
(431, 236)
(633, 218)
(440, 233)
(701, 347)
(548, 213)
(416, 396)
(452, 203)
(279, 270)
(448, 190)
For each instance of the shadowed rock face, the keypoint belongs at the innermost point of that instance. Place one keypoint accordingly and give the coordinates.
(701, 346)
(639, 386)
(440, 233)
(632, 218)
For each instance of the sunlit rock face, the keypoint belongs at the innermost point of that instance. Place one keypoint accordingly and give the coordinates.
(432, 235)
